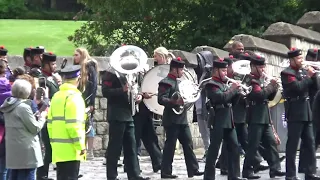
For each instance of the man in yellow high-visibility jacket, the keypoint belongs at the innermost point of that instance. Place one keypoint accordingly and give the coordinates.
(66, 125)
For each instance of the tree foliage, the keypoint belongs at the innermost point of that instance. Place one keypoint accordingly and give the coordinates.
(179, 24)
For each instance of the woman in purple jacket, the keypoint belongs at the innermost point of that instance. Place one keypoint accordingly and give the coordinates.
(5, 92)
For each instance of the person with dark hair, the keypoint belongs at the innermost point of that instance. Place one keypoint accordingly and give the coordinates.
(236, 49)
(175, 125)
(5, 92)
(27, 59)
(3, 56)
(36, 58)
(15, 73)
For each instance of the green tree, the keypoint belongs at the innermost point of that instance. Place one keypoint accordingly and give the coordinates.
(178, 24)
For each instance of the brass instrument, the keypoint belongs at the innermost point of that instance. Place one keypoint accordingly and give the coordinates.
(129, 61)
(245, 90)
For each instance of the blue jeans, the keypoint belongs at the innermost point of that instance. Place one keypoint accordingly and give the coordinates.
(22, 174)
(3, 169)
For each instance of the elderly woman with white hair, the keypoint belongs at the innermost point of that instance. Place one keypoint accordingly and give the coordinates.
(23, 151)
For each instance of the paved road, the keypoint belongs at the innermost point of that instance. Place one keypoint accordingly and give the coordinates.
(94, 170)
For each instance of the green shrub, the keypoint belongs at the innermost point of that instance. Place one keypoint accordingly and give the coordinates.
(12, 9)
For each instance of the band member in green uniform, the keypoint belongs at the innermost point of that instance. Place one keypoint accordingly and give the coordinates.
(296, 82)
(221, 122)
(27, 59)
(259, 120)
(311, 56)
(48, 67)
(175, 125)
(121, 127)
(36, 58)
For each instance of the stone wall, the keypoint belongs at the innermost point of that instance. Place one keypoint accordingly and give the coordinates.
(273, 45)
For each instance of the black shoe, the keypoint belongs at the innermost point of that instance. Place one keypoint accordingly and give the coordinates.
(80, 176)
(293, 178)
(139, 178)
(260, 168)
(251, 176)
(282, 158)
(156, 168)
(195, 173)
(168, 176)
(237, 178)
(223, 172)
(278, 173)
(311, 177)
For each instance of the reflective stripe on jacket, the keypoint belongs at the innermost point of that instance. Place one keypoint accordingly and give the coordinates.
(66, 124)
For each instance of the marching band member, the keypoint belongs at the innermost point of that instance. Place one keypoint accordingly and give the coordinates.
(176, 126)
(3, 56)
(311, 56)
(259, 121)
(221, 122)
(121, 128)
(36, 58)
(296, 82)
(27, 59)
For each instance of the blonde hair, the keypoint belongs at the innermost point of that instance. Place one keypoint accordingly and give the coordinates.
(85, 58)
(164, 53)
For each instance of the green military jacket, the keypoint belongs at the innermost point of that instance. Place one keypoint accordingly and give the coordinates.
(296, 85)
(167, 87)
(221, 99)
(239, 108)
(51, 83)
(258, 111)
(119, 108)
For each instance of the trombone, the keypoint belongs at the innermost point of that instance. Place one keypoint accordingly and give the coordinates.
(245, 90)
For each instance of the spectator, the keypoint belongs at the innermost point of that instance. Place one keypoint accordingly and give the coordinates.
(5, 92)
(23, 152)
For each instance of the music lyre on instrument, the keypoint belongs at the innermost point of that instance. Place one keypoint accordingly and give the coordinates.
(129, 60)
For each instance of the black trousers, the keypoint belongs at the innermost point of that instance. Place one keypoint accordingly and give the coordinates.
(68, 170)
(182, 133)
(44, 170)
(303, 130)
(121, 134)
(217, 134)
(257, 134)
(242, 135)
(145, 131)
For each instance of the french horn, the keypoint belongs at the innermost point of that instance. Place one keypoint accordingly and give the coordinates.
(128, 61)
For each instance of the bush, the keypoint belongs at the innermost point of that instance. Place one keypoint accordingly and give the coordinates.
(12, 9)
(48, 15)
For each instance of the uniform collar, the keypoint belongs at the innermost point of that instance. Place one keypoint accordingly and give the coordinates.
(171, 76)
(46, 73)
(217, 79)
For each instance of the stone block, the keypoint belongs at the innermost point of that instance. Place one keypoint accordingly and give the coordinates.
(217, 53)
(97, 143)
(99, 91)
(97, 103)
(98, 115)
(254, 43)
(99, 153)
(102, 128)
(282, 32)
(103, 103)
(310, 20)
(188, 57)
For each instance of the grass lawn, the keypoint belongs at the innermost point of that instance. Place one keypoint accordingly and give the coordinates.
(53, 35)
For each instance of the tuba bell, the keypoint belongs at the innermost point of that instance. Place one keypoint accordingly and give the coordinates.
(128, 61)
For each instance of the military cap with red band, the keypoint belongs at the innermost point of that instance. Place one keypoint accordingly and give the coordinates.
(49, 57)
(294, 52)
(220, 63)
(312, 53)
(177, 63)
(27, 51)
(244, 56)
(3, 51)
(258, 60)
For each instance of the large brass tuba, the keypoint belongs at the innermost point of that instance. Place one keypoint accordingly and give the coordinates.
(128, 61)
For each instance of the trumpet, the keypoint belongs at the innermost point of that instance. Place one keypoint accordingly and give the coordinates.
(245, 90)
(267, 80)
